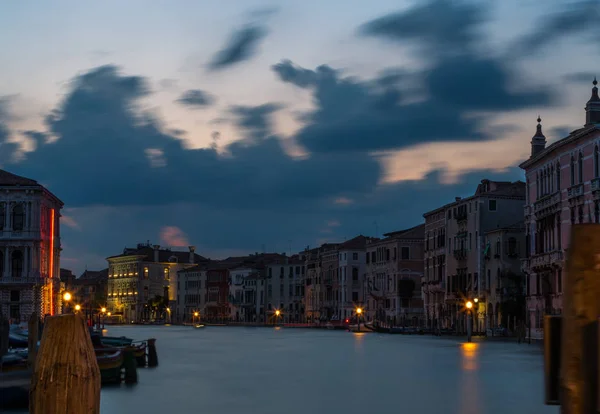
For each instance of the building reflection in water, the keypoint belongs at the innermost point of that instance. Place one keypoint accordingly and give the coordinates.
(469, 387)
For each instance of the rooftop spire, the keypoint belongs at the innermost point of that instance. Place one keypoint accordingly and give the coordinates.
(592, 109)
(538, 142)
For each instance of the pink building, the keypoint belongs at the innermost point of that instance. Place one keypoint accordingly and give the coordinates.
(563, 188)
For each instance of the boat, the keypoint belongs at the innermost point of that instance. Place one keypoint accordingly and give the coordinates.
(110, 362)
(14, 361)
(115, 341)
(17, 340)
(14, 389)
(199, 326)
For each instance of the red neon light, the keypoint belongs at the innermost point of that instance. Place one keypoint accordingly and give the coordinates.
(51, 269)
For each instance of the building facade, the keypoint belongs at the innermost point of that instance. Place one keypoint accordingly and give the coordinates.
(351, 278)
(30, 248)
(394, 271)
(434, 277)
(563, 189)
(142, 282)
(495, 204)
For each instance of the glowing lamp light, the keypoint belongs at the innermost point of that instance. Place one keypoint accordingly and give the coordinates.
(67, 296)
(347, 320)
(359, 310)
(103, 310)
(475, 300)
(469, 304)
(77, 307)
(277, 312)
(195, 313)
(108, 313)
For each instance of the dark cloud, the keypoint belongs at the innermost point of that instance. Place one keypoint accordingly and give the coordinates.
(440, 25)
(573, 18)
(106, 142)
(241, 46)
(256, 120)
(355, 115)
(195, 98)
(8, 149)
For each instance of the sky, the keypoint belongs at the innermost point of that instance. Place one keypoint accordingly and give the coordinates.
(244, 126)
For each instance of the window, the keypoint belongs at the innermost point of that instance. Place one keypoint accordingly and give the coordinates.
(17, 263)
(367, 257)
(489, 279)
(2, 216)
(492, 205)
(596, 214)
(145, 273)
(512, 246)
(270, 272)
(281, 290)
(387, 255)
(166, 273)
(557, 176)
(573, 216)
(354, 296)
(18, 217)
(449, 214)
(355, 274)
(572, 170)
(354, 256)
(580, 214)
(580, 167)
(405, 253)
(281, 272)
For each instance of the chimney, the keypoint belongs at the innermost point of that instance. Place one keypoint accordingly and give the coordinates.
(156, 247)
(192, 250)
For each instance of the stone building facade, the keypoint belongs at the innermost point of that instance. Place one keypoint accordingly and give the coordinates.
(141, 274)
(563, 189)
(434, 277)
(29, 248)
(394, 271)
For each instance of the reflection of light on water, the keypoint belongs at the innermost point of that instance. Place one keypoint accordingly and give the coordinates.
(277, 328)
(468, 352)
(359, 338)
(469, 395)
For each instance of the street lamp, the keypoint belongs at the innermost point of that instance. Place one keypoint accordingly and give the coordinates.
(277, 313)
(469, 306)
(103, 310)
(358, 313)
(195, 316)
(108, 314)
(66, 299)
(476, 300)
(77, 308)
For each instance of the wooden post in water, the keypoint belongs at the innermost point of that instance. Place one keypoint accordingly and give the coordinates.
(66, 378)
(579, 345)
(32, 339)
(4, 329)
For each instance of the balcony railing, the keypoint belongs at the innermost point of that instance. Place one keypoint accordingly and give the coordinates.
(461, 254)
(461, 215)
(596, 184)
(544, 259)
(575, 191)
(30, 279)
(547, 201)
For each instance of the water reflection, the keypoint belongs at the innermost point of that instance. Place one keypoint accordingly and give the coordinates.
(469, 389)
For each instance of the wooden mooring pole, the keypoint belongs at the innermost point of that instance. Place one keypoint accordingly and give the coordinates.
(579, 345)
(66, 377)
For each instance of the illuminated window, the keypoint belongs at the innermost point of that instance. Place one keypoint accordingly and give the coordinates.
(166, 272)
(145, 273)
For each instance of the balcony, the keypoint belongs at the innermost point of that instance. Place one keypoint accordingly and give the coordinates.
(544, 259)
(31, 279)
(596, 185)
(547, 204)
(575, 191)
(461, 254)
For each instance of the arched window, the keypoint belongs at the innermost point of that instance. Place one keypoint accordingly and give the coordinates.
(537, 185)
(572, 170)
(18, 217)
(551, 181)
(596, 161)
(580, 167)
(17, 264)
(580, 214)
(558, 176)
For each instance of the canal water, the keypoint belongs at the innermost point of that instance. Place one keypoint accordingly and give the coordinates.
(222, 370)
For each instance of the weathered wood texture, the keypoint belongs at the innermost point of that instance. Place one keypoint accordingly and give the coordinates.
(66, 378)
(4, 328)
(32, 339)
(580, 312)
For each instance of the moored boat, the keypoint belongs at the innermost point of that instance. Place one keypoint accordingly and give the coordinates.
(110, 362)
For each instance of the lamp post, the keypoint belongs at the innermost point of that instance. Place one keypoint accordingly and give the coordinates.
(469, 306)
(277, 313)
(77, 308)
(101, 321)
(66, 298)
(195, 316)
(358, 313)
